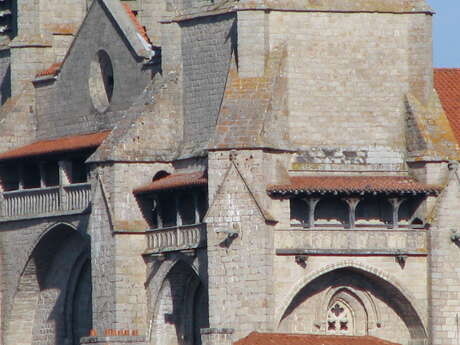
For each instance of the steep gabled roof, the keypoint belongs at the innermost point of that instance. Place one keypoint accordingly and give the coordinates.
(127, 23)
(447, 84)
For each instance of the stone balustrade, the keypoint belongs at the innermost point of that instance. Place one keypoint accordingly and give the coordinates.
(411, 240)
(77, 196)
(176, 238)
(45, 201)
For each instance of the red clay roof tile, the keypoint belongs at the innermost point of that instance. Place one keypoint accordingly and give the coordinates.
(256, 338)
(65, 144)
(136, 22)
(447, 84)
(52, 70)
(352, 184)
(174, 181)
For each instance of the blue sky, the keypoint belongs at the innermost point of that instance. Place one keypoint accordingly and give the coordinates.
(446, 32)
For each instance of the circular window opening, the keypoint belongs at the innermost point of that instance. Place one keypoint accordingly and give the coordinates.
(101, 81)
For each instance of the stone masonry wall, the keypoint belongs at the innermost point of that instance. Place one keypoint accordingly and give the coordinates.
(290, 277)
(240, 269)
(130, 273)
(126, 208)
(103, 248)
(445, 274)
(206, 47)
(348, 72)
(63, 13)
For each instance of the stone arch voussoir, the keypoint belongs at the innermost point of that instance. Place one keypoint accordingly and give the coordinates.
(303, 282)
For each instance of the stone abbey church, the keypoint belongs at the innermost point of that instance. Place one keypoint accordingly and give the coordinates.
(218, 172)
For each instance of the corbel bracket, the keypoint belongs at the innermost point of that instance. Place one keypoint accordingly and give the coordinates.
(301, 260)
(455, 236)
(401, 260)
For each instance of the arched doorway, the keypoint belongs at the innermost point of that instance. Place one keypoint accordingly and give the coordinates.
(352, 301)
(52, 303)
(181, 308)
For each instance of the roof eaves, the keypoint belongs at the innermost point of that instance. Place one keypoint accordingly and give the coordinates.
(56, 146)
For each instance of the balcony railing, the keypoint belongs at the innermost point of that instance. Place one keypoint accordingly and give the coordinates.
(47, 200)
(176, 238)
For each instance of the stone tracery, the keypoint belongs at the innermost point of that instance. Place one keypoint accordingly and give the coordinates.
(339, 318)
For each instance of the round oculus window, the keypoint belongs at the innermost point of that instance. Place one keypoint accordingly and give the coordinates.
(101, 81)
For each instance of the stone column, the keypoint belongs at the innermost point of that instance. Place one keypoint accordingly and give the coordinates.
(64, 167)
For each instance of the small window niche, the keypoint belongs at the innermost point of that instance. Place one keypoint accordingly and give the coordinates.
(50, 174)
(10, 177)
(299, 211)
(167, 209)
(31, 176)
(410, 215)
(332, 212)
(101, 81)
(374, 212)
(186, 202)
(79, 171)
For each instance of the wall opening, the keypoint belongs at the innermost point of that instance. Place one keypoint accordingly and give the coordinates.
(352, 301)
(181, 308)
(332, 212)
(299, 213)
(409, 215)
(101, 81)
(374, 212)
(52, 277)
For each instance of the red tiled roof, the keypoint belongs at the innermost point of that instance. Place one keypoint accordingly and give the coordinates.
(175, 181)
(256, 338)
(136, 22)
(352, 184)
(65, 144)
(447, 83)
(52, 70)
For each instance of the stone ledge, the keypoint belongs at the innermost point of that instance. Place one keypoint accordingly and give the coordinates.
(349, 252)
(112, 339)
(217, 331)
(44, 215)
(330, 6)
